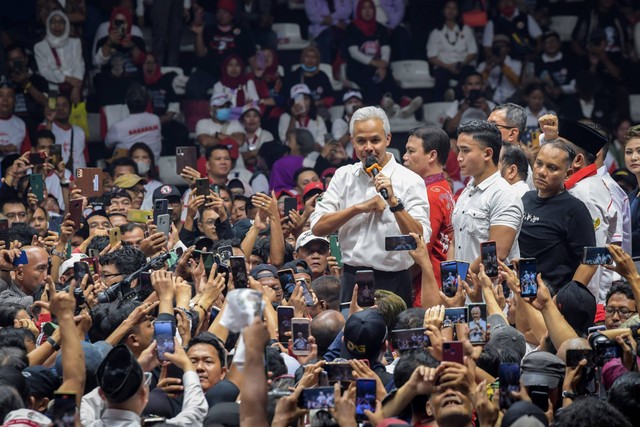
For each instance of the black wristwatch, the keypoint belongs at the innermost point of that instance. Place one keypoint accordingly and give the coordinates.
(397, 208)
(569, 394)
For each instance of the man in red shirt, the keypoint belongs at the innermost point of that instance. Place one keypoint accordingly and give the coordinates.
(427, 151)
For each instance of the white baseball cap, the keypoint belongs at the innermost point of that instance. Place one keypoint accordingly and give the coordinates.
(219, 99)
(69, 263)
(300, 89)
(307, 237)
(351, 94)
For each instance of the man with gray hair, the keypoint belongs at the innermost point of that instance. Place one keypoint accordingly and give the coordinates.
(511, 121)
(365, 204)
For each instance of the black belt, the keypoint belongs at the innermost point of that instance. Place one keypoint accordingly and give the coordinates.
(352, 270)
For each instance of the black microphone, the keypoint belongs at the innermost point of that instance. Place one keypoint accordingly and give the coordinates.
(372, 167)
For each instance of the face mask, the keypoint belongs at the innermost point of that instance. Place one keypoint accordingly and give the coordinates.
(309, 69)
(143, 167)
(350, 108)
(223, 114)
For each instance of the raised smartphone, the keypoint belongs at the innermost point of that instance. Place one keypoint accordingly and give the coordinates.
(489, 256)
(366, 289)
(163, 334)
(300, 336)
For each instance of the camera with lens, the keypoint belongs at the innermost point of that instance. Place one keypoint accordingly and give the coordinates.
(604, 348)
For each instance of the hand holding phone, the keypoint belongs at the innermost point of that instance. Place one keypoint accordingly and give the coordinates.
(527, 271)
(300, 328)
(163, 334)
(489, 256)
(366, 291)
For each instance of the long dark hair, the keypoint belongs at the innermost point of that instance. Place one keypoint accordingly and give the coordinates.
(442, 21)
(153, 170)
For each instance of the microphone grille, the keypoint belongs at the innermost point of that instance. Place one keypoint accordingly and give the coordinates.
(370, 161)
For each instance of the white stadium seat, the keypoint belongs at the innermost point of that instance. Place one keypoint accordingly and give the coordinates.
(434, 113)
(563, 25)
(289, 37)
(634, 105)
(412, 74)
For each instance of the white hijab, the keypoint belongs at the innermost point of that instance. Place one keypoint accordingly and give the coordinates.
(57, 42)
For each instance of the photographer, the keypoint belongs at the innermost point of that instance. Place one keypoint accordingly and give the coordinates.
(500, 70)
(474, 105)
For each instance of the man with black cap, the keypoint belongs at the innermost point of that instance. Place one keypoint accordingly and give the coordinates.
(544, 369)
(585, 185)
(124, 388)
(267, 275)
(174, 197)
(556, 226)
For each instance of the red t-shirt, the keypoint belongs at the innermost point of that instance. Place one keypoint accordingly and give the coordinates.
(441, 206)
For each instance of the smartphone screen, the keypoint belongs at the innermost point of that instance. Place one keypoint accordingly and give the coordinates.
(287, 280)
(366, 290)
(399, 243)
(463, 269)
(52, 99)
(509, 374)
(225, 253)
(37, 185)
(56, 154)
(452, 351)
(453, 315)
(285, 314)
(64, 409)
(317, 398)
(208, 261)
(300, 336)
(290, 204)
(334, 248)
(527, 271)
(37, 158)
(365, 397)
(239, 272)
(449, 277)
(539, 396)
(596, 256)
(339, 371)
(489, 258)
(163, 335)
(607, 351)
(407, 339)
(146, 287)
(81, 269)
(308, 298)
(477, 323)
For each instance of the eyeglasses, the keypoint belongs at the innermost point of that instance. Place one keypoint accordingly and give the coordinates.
(137, 190)
(503, 126)
(14, 215)
(106, 276)
(624, 313)
(210, 223)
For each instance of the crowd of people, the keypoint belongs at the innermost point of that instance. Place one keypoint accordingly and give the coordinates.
(259, 290)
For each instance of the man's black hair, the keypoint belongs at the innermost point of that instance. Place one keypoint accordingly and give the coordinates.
(486, 134)
(624, 395)
(261, 249)
(10, 399)
(11, 201)
(301, 171)
(122, 161)
(620, 288)
(22, 232)
(8, 312)
(130, 226)
(235, 243)
(514, 155)
(14, 356)
(14, 337)
(433, 138)
(127, 259)
(99, 243)
(6, 163)
(327, 288)
(275, 363)
(216, 147)
(492, 355)
(105, 318)
(136, 98)
(43, 134)
(409, 362)
(212, 340)
(515, 115)
(564, 146)
(590, 411)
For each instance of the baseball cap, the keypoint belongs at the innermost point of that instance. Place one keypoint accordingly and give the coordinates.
(364, 333)
(624, 175)
(94, 355)
(311, 189)
(524, 414)
(224, 413)
(577, 305)
(262, 271)
(228, 5)
(351, 94)
(128, 180)
(505, 335)
(235, 183)
(219, 99)
(26, 418)
(41, 381)
(298, 266)
(250, 107)
(119, 375)
(328, 172)
(166, 191)
(234, 148)
(307, 237)
(69, 263)
(542, 368)
(300, 89)
(581, 135)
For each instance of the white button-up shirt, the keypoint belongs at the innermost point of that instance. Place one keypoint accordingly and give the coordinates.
(479, 207)
(362, 237)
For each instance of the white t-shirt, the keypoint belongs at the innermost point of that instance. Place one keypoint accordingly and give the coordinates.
(140, 127)
(340, 128)
(253, 144)
(451, 45)
(13, 131)
(501, 85)
(209, 127)
(317, 128)
(63, 137)
(250, 92)
(147, 203)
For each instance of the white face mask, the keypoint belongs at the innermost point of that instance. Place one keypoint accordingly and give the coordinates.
(143, 167)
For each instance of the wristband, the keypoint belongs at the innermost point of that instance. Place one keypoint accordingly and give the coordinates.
(54, 344)
(569, 394)
(60, 255)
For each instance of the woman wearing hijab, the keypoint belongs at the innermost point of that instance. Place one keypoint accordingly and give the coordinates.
(59, 57)
(368, 62)
(121, 42)
(234, 83)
